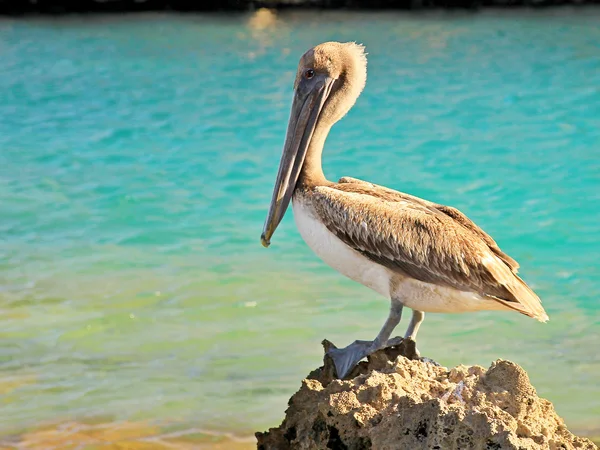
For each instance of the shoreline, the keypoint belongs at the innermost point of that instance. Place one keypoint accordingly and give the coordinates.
(124, 434)
(153, 436)
(59, 8)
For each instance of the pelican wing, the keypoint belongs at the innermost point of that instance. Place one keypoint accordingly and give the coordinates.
(433, 244)
(449, 211)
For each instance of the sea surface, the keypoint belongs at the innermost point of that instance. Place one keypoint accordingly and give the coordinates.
(137, 159)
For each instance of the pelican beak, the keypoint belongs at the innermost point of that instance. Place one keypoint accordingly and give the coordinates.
(309, 98)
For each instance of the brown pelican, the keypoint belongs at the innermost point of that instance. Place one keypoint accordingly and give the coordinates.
(419, 254)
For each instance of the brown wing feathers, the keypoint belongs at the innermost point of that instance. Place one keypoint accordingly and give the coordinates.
(447, 210)
(429, 242)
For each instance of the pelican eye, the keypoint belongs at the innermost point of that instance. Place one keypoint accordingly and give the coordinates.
(309, 73)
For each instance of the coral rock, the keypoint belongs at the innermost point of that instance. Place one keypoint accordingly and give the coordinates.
(393, 402)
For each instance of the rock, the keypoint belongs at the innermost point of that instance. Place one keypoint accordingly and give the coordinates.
(393, 402)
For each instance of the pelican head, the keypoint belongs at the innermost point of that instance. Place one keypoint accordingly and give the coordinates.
(330, 78)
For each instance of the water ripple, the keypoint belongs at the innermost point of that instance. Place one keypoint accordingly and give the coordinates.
(137, 157)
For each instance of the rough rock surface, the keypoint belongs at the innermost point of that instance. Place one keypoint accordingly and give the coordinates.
(392, 402)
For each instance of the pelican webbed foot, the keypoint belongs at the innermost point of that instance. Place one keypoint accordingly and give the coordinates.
(345, 359)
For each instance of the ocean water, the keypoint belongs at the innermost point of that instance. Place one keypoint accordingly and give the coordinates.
(137, 159)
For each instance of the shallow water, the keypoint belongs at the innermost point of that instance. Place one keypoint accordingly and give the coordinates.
(137, 157)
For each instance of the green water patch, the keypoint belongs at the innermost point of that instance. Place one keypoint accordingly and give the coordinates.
(137, 161)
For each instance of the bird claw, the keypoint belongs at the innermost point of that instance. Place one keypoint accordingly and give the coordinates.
(345, 359)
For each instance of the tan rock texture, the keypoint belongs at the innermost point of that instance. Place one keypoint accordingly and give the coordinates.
(392, 402)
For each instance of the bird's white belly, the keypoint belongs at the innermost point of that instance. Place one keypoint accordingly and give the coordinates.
(412, 293)
(338, 255)
(433, 298)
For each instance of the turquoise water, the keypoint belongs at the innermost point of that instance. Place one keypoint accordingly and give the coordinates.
(137, 158)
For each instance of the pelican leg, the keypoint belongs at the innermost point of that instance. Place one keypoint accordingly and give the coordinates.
(346, 358)
(413, 327)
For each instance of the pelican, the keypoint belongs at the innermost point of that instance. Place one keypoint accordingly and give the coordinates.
(419, 254)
